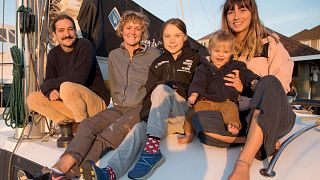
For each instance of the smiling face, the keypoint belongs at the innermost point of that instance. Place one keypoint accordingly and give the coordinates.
(132, 33)
(238, 20)
(221, 52)
(173, 39)
(65, 34)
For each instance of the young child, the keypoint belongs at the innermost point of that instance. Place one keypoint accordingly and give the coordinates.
(208, 90)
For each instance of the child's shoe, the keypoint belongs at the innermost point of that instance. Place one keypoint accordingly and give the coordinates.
(146, 165)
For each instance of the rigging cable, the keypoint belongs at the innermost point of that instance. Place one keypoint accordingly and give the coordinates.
(182, 12)
(14, 113)
(204, 10)
(177, 10)
(192, 22)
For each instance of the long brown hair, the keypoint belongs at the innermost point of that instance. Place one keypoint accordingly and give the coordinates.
(176, 22)
(252, 44)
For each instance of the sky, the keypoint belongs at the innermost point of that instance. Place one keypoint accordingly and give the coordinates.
(202, 17)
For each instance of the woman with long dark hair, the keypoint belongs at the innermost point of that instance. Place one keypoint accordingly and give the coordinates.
(263, 54)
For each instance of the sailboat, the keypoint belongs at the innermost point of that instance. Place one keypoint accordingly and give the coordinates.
(21, 140)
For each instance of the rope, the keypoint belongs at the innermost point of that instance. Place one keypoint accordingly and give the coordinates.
(14, 114)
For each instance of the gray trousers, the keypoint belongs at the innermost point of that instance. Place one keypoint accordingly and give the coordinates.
(167, 115)
(102, 132)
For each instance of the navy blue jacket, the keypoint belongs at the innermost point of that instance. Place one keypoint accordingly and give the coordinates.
(208, 80)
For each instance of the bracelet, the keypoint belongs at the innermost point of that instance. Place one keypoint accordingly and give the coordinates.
(244, 162)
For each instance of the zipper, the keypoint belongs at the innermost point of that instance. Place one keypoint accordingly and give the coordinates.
(168, 72)
(127, 83)
(173, 70)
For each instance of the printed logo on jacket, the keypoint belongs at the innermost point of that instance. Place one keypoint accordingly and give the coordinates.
(186, 66)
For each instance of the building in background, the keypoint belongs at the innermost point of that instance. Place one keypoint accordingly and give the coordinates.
(7, 40)
(204, 41)
(8, 34)
(309, 37)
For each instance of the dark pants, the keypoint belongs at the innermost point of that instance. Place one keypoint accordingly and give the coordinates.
(276, 118)
(98, 134)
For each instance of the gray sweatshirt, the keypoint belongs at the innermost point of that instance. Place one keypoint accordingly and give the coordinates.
(128, 76)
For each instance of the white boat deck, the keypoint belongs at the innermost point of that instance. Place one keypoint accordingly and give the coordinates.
(195, 161)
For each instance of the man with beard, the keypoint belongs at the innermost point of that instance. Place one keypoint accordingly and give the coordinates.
(73, 88)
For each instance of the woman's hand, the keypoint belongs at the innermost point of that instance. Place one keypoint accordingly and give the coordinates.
(234, 80)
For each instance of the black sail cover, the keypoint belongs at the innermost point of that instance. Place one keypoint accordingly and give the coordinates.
(98, 19)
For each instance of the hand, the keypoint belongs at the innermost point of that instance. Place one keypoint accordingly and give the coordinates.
(191, 100)
(254, 84)
(54, 95)
(234, 80)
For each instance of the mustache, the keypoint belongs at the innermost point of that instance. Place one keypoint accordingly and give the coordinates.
(68, 37)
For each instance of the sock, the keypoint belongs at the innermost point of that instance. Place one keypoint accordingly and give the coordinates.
(152, 145)
(112, 175)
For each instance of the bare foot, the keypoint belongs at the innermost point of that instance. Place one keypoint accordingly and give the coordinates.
(241, 171)
(233, 128)
(187, 138)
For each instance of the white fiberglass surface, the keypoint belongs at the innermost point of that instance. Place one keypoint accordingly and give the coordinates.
(194, 161)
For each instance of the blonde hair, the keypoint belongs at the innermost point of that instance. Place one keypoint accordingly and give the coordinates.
(136, 17)
(252, 44)
(221, 36)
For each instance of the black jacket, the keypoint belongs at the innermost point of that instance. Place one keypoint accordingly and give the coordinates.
(166, 70)
(78, 66)
(208, 80)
